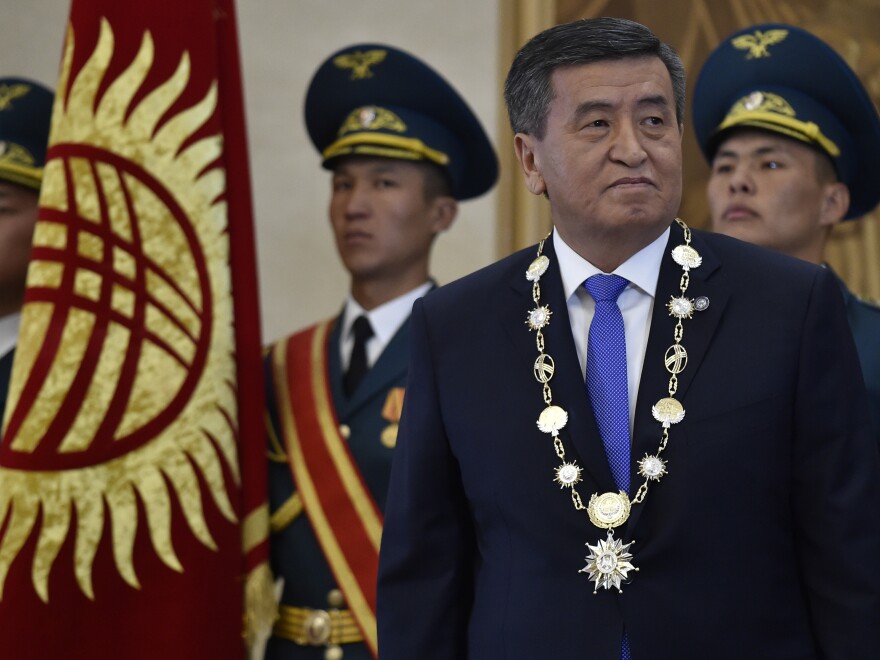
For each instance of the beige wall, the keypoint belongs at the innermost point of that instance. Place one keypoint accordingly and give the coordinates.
(282, 42)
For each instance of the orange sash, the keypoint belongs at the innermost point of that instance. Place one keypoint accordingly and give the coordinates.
(340, 507)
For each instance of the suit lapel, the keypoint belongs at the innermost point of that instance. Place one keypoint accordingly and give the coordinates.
(696, 339)
(580, 436)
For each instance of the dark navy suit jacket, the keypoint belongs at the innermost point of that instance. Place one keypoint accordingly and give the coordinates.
(864, 320)
(760, 542)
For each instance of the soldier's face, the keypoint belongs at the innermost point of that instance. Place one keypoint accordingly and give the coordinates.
(382, 221)
(18, 215)
(770, 190)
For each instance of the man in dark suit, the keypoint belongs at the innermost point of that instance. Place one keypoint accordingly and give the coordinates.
(25, 114)
(716, 466)
(793, 138)
(403, 148)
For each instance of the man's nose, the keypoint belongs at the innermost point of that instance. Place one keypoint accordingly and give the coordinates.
(627, 146)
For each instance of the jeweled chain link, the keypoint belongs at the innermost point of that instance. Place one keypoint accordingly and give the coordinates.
(678, 334)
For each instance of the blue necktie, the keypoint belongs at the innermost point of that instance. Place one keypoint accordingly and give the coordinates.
(606, 382)
(606, 373)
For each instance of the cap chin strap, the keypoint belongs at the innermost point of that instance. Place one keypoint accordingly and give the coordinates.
(805, 131)
(30, 177)
(381, 144)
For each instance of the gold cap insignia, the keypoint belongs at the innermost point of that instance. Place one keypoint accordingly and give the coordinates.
(753, 101)
(367, 116)
(360, 62)
(8, 93)
(757, 43)
(771, 111)
(762, 102)
(372, 118)
(15, 153)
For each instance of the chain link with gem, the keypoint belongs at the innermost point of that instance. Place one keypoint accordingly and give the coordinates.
(670, 412)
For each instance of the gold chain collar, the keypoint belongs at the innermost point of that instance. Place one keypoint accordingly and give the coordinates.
(608, 563)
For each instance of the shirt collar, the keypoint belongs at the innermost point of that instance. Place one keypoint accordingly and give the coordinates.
(9, 332)
(641, 269)
(385, 319)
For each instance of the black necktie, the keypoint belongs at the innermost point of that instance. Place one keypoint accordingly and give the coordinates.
(357, 366)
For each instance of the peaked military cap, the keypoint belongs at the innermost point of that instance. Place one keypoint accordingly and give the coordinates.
(377, 100)
(25, 116)
(783, 79)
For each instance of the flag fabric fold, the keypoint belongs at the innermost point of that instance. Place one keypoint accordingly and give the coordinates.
(132, 489)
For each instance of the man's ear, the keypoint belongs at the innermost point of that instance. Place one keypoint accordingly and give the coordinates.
(524, 145)
(835, 204)
(443, 213)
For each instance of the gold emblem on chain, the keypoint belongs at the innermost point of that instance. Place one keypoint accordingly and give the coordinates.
(609, 562)
(609, 510)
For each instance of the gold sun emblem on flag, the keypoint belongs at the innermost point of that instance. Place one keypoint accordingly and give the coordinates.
(123, 393)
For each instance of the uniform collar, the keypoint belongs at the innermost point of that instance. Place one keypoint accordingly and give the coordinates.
(385, 319)
(9, 332)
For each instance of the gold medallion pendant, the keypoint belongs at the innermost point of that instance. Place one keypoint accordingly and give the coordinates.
(608, 510)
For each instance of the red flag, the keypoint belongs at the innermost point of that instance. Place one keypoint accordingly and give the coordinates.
(132, 495)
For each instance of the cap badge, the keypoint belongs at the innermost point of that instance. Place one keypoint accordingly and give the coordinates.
(8, 93)
(757, 42)
(17, 154)
(367, 116)
(753, 101)
(360, 62)
(762, 102)
(372, 118)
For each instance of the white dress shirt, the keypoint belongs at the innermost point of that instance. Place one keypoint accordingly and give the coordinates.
(9, 333)
(636, 304)
(385, 319)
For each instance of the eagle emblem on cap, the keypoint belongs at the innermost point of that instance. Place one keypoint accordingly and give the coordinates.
(8, 93)
(757, 43)
(360, 62)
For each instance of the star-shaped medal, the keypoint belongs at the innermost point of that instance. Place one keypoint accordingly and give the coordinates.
(608, 563)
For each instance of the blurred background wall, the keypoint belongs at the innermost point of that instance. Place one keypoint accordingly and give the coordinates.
(472, 43)
(282, 43)
(694, 28)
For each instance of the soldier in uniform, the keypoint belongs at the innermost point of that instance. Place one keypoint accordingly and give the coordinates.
(792, 137)
(403, 148)
(25, 114)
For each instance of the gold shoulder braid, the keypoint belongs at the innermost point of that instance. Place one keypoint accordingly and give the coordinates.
(608, 563)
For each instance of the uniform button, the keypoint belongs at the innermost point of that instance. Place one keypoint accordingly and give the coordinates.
(335, 598)
(333, 653)
(345, 431)
(318, 627)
